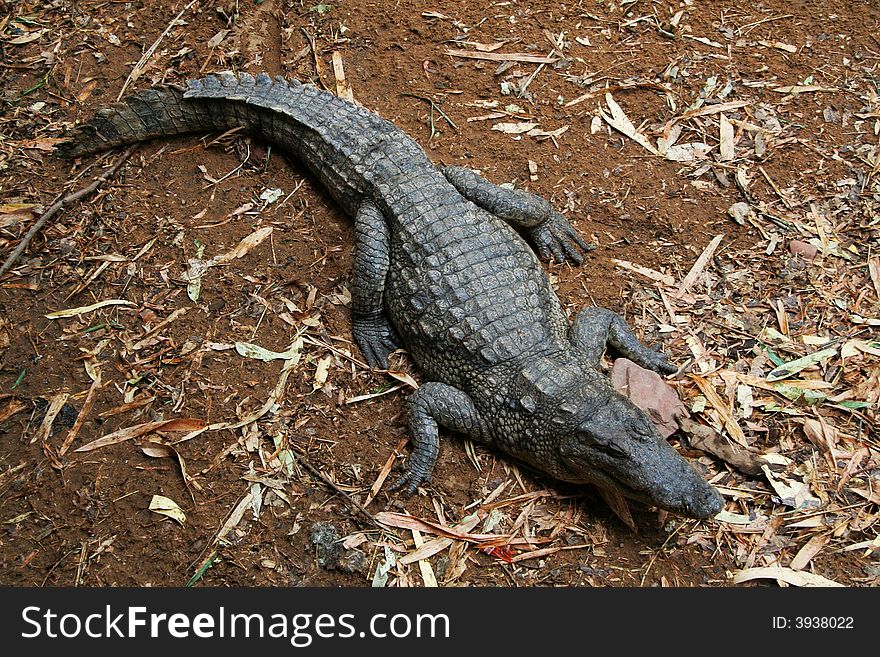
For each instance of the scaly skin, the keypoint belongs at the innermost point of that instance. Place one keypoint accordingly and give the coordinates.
(441, 269)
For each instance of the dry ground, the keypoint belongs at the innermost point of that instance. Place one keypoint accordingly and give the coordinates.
(772, 106)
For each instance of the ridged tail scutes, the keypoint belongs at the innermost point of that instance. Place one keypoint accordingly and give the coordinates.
(278, 95)
(157, 112)
(243, 87)
(215, 102)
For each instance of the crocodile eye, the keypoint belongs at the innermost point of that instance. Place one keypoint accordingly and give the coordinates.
(611, 449)
(642, 429)
(607, 446)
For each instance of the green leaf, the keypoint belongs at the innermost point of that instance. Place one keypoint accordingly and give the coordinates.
(206, 564)
(776, 360)
(790, 369)
(854, 405)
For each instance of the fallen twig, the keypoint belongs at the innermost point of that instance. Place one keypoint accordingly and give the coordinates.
(434, 108)
(58, 204)
(302, 460)
(502, 56)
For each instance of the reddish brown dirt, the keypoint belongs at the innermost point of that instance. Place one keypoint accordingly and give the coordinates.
(85, 519)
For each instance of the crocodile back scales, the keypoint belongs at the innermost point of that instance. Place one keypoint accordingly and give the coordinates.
(464, 290)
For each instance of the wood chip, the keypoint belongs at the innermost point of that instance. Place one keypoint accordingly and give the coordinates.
(653, 274)
(343, 88)
(698, 266)
(726, 138)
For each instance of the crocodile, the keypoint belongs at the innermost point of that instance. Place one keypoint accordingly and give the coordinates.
(447, 266)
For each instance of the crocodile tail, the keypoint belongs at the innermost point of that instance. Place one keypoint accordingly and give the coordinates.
(157, 112)
(262, 91)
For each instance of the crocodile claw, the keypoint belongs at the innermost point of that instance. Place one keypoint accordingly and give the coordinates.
(659, 362)
(411, 479)
(556, 238)
(376, 338)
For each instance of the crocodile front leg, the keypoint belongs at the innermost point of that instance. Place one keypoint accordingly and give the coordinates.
(550, 232)
(372, 331)
(594, 328)
(431, 405)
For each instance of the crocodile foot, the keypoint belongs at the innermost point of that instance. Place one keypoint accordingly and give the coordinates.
(376, 338)
(556, 238)
(658, 361)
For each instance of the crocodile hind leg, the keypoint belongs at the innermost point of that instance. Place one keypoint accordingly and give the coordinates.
(433, 405)
(372, 331)
(550, 232)
(594, 328)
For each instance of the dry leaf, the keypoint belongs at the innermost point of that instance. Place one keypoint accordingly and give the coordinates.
(322, 370)
(87, 90)
(180, 424)
(787, 47)
(803, 88)
(810, 549)
(403, 377)
(653, 274)
(707, 439)
(257, 352)
(502, 57)
(787, 575)
(167, 507)
(620, 122)
(244, 246)
(27, 38)
(236, 516)
(215, 40)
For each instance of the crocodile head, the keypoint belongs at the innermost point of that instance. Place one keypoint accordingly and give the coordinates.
(616, 446)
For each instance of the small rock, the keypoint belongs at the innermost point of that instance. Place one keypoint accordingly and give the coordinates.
(739, 212)
(648, 391)
(67, 246)
(804, 249)
(831, 115)
(330, 552)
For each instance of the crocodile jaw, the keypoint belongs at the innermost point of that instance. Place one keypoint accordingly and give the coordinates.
(619, 448)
